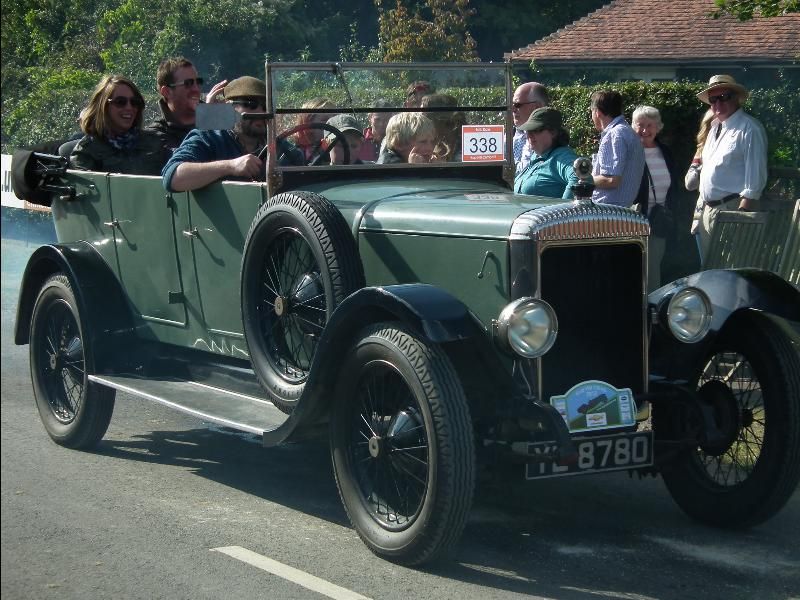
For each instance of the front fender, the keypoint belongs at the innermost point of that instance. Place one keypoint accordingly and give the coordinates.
(105, 314)
(731, 291)
(431, 312)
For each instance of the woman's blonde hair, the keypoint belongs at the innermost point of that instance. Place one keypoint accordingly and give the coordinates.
(94, 118)
(702, 133)
(403, 128)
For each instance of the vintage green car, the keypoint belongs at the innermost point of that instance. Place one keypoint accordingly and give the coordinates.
(436, 326)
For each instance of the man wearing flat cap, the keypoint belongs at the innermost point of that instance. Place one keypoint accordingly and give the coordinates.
(734, 160)
(208, 156)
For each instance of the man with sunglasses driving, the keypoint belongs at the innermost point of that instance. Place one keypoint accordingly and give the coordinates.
(734, 159)
(206, 156)
(179, 87)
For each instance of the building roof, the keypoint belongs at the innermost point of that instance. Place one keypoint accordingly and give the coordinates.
(658, 32)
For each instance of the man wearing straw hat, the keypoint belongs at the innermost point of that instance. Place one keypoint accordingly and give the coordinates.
(734, 163)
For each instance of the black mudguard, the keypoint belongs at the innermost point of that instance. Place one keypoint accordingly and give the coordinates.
(432, 313)
(731, 292)
(110, 330)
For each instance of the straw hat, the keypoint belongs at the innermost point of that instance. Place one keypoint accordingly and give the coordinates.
(719, 81)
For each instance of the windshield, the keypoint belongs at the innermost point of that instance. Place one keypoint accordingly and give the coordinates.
(465, 108)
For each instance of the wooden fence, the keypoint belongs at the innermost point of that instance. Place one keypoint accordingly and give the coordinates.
(768, 239)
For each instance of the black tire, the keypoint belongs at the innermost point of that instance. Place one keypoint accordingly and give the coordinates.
(300, 262)
(402, 446)
(751, 383)
(75, 412)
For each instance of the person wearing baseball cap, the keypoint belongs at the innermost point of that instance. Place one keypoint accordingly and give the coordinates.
(734, 156)
(208, 156)
(550, 171)
(351, 130)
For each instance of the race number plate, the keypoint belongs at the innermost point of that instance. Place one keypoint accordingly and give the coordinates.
(595, 454)
(482, 143)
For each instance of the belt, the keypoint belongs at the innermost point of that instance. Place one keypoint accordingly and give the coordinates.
(728, 198)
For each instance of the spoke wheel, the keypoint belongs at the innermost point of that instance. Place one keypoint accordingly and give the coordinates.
(750, 386)
(389, 447)
(300, 263)
(402, 446)
(75, 412)
(293, 309)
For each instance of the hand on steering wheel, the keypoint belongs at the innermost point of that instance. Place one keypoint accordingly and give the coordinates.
(319, 153)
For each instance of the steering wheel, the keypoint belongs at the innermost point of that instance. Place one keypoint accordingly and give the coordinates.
(319, 153)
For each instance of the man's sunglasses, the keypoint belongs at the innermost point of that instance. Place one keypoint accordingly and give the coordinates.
(519, 105)
(251, 103)
(123, 101)
(724, 97)
(187, 82)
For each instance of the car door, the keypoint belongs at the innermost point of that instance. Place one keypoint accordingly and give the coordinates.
(220, 216)
(146, 222)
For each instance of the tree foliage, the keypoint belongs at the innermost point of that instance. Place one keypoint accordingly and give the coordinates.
(434, 31)
(744, 10)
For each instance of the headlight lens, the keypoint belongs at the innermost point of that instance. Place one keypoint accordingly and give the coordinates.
(528, 326)
(689, 315)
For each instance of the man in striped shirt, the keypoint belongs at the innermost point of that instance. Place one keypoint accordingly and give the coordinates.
(618, 166)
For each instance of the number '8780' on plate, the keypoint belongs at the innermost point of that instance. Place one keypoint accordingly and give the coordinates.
(595, 454)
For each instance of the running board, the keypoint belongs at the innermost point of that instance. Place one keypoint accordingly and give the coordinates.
(224, 407)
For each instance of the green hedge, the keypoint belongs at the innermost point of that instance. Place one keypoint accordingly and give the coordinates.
(778, 110)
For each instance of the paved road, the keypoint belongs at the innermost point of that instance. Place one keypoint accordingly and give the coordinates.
(170, 507)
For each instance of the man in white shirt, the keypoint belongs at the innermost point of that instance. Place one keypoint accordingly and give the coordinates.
(734, 171)
(527, 98)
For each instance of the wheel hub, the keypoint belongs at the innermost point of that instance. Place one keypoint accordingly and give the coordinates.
(375, 446)
(728, 416)
(281, 305)
(53, 361)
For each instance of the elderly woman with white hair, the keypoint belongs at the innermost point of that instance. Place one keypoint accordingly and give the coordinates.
(658, 187)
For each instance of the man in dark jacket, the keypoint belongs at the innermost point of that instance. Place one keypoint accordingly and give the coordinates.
(179, 87)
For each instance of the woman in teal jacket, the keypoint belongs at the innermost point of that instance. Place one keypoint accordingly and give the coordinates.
(550, 172)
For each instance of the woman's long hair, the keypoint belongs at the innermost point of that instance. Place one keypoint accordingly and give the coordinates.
(94, 118)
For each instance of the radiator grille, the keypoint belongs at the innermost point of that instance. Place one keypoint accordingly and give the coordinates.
(597, 293)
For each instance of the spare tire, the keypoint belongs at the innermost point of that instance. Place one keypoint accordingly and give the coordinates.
(300, 261)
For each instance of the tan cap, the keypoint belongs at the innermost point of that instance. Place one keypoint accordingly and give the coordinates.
(245, 87)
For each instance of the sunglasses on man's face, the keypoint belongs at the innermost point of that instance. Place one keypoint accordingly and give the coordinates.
(724, 97)
(518, 105)
(187, 82)
(251, 103)
(123, 101)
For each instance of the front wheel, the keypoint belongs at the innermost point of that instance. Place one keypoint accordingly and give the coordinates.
(402, 446)
(751, 385)
(75, 412)
(300, 263)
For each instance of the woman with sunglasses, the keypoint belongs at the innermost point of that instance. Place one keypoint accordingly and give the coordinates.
(114, 141)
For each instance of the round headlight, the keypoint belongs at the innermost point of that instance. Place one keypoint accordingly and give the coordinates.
(528, 326)
(689, 315)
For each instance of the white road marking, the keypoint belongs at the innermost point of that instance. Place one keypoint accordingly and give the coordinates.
(301, 578)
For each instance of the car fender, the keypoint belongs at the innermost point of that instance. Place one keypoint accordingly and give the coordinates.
(431, 312)
(97, 292)
(732, 292)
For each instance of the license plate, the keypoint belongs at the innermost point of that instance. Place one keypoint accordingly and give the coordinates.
(595, 454)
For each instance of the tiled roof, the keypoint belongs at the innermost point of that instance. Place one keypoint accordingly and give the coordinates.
(666, 31)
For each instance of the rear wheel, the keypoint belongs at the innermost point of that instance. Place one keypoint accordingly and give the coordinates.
(300, 262)
(75, 412)
(751, 385)
(402, 446)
